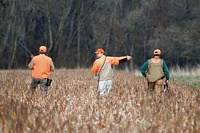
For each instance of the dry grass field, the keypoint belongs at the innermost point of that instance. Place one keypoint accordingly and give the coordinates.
(72, 106)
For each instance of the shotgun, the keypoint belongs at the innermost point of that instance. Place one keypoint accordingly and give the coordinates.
(25, 48)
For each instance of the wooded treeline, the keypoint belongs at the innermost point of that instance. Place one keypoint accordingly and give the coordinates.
(73, 29)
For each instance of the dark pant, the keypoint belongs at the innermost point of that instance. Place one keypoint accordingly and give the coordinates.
(42, 82)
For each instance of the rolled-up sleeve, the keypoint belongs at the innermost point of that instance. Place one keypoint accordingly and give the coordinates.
(30, 65)
(113, 60)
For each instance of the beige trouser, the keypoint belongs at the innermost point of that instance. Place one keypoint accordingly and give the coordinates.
(156, 86)
(104, 87)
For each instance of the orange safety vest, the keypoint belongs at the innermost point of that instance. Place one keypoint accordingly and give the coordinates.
(41, 66)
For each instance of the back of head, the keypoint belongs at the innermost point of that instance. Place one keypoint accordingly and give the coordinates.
(42, 49)
(157, 52)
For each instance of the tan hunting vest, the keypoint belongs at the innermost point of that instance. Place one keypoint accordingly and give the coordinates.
(155, 71)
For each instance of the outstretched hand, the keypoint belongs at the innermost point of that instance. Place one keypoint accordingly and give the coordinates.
(128, 57)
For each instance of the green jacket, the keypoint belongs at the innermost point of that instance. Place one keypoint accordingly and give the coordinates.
(144, 69)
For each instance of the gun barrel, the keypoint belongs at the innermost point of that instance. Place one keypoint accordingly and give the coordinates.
(24, 47)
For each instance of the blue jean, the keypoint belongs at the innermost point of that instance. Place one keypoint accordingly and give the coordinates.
(42, 82)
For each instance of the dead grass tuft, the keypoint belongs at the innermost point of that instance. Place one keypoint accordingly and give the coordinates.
(71, 105)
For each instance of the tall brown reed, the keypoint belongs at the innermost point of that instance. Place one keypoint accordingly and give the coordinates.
(71, 105)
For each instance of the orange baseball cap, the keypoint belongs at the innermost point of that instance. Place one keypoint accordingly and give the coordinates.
(42, 49)
(157, 52)
(100, 50)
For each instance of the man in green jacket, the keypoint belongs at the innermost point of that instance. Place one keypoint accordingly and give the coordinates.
(155, 70)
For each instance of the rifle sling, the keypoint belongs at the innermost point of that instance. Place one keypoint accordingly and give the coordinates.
(101, 67)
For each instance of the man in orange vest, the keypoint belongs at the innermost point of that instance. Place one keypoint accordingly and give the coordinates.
(156, 70)
(102, 68)
(41, 66)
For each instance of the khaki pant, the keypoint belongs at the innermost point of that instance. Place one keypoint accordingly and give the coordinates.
(156, 86)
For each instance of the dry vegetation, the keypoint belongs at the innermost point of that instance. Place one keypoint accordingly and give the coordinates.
(72, 105)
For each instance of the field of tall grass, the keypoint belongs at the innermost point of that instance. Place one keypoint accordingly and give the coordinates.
(72, 106)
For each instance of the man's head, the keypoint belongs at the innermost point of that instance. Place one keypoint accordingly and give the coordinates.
(99, 52)
(42, 49)
(157, 52)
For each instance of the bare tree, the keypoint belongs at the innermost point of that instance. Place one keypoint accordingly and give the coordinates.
(9, 10)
